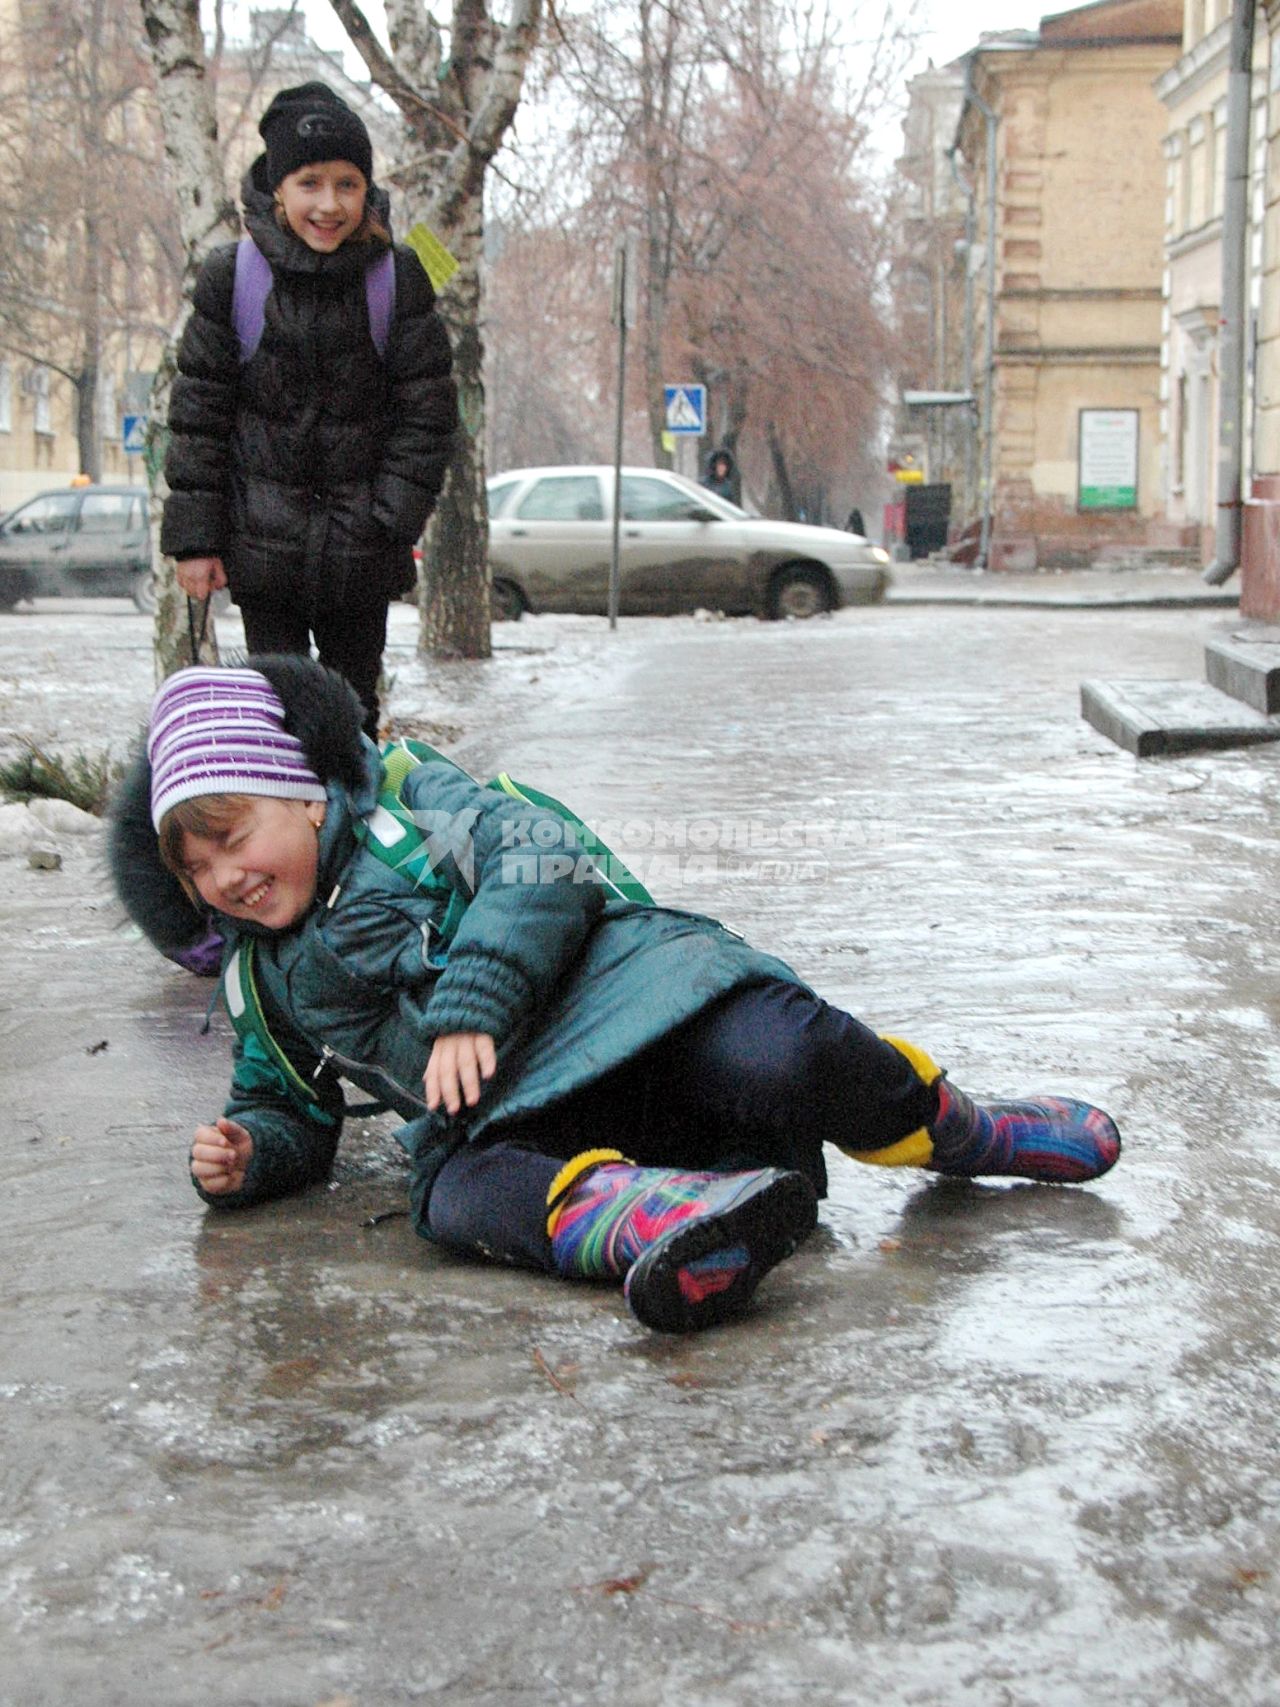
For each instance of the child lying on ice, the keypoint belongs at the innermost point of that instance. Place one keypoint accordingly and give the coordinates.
(592, 1086)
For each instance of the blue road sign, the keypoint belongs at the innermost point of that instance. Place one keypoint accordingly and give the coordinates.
(133, 431)
(686, 408)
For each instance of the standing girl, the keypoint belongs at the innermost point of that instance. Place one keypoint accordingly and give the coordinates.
(313, 410)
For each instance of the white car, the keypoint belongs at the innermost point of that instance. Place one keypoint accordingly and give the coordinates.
(680, 548)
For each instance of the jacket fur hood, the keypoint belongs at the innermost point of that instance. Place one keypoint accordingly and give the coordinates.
(325, 715)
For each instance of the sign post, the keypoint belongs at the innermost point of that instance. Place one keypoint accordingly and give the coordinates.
(626, 277)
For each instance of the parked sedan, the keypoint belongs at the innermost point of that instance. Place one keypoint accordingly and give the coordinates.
(81, 542)
(680, 548)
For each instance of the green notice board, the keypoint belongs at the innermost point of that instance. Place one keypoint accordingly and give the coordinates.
(1108, 460)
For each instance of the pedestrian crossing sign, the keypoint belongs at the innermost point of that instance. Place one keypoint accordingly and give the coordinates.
(133, 431)
(686, 408)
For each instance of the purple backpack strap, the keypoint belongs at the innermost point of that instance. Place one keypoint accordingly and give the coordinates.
(249, 296)
(253, 286)
(380, 293)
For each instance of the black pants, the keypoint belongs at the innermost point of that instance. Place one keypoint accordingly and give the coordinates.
(765, 1077)
(350, 640)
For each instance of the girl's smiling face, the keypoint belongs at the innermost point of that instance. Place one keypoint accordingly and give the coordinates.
(324, 203)
(264, 866)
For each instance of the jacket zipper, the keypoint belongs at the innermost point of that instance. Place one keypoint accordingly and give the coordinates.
(361, 1069)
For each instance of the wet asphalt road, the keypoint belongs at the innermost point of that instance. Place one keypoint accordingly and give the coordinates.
(978, 1445)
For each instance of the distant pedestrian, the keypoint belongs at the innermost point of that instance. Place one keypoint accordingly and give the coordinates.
(855, 523)
(595, 1086)
(313, 410)
(722, 476)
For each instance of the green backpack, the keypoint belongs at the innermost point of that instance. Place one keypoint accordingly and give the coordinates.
(391, 835)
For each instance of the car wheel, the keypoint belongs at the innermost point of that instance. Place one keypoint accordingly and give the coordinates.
(506, 602)
(799, 593)
(12, 588)
(143, 592)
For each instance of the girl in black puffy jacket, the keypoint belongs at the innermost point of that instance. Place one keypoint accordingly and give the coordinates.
(307, 453)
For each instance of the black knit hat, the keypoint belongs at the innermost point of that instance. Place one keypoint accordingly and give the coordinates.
(311, 123)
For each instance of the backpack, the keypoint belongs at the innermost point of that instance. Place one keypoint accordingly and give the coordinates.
(253, 286)
(391, 835)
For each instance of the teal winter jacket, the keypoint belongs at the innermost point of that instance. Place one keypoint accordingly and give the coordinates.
(568, 981)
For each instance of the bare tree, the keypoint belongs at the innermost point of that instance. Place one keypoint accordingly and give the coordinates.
(780, 306)
(206, 216)
(81, 191)
(638, 74)
(733, 137)
(550, 352)
(457, 108)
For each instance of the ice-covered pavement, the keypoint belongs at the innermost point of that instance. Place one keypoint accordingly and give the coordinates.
(976, 1445)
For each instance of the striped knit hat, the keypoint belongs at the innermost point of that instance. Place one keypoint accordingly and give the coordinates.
(222, 732)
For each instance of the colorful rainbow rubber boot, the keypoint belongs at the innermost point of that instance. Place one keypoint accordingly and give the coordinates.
(690, 1248)
(1045, 1138)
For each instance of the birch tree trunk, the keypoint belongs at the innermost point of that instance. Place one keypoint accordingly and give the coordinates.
(88, 414)
(207, 216)
(456, 114)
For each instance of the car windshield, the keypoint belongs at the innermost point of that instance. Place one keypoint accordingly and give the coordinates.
(649, 498)
(498, 493)
(710, 500)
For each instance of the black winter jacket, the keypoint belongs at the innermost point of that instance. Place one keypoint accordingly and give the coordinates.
(311, 469)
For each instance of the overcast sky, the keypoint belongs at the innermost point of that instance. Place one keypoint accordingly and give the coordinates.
(952, 27)
(956, 24)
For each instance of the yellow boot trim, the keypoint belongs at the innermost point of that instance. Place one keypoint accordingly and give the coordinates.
(916, 1149)
(913, 1151)
(572, 1171)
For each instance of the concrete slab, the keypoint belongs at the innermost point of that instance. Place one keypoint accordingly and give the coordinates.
(1246, 665)
(1152, 717)
(1173, 587)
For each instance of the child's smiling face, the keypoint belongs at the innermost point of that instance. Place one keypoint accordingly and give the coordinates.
(324, 203)
(264, 866)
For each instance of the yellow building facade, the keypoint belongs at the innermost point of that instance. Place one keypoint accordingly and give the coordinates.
(1260, 543)
(1194, 94)
(1072, 436)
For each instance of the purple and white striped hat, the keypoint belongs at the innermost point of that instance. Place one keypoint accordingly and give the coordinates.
(222, 732)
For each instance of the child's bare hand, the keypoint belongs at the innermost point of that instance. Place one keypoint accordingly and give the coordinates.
(220, 1155)
(200, 576)
(457, 1065)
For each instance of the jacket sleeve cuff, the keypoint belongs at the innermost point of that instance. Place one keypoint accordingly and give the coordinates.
(478, 992)
(401, 508)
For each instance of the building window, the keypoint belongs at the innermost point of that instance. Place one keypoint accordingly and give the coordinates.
(1173, 183)
(6, 398)
(42, 415)
(1197, 187)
